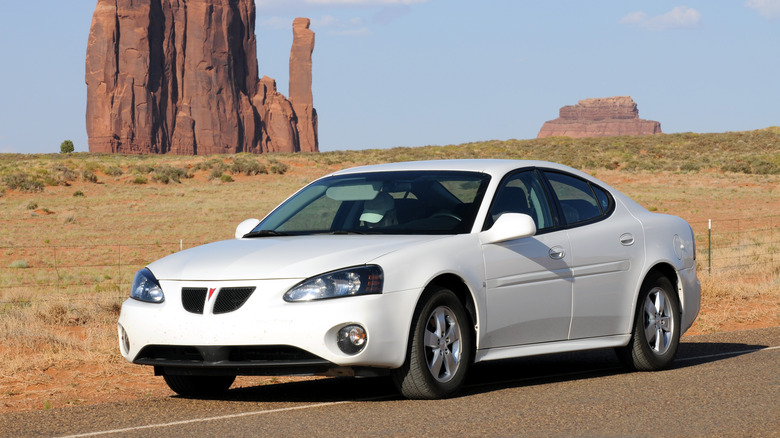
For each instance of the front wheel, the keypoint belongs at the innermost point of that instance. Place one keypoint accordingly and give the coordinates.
(656, 333)
(440, 349)
(199, 386)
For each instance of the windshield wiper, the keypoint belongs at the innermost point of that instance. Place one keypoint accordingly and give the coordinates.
(264, 233)
(346, 232)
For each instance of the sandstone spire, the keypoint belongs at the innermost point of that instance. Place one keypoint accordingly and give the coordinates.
(300, 84)
(180, 76)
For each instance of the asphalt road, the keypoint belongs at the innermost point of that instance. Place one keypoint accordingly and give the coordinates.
(724, 384)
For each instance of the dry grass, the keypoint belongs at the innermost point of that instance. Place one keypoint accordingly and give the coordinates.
(66, 261)
(737, 299)
(38, 334)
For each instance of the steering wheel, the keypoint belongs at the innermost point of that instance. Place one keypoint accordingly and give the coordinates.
(445, 214)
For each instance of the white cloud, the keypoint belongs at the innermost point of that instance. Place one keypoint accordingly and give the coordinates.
(767, 8)
(679, 17)
(634, 18)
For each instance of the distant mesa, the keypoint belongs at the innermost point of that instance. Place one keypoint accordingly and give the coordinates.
(599, 117)
(181, 77)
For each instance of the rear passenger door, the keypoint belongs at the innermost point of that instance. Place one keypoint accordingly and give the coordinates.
(606, 241)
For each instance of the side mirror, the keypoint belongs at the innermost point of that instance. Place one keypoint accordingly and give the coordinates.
(245, 227)
(509, 226)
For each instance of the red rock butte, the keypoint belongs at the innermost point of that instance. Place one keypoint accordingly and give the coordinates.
(600, 117)
(181, 77)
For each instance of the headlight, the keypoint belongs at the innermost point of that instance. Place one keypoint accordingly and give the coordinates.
(361, 280)
(146, 288)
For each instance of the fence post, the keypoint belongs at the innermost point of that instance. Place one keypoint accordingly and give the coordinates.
(709, 246)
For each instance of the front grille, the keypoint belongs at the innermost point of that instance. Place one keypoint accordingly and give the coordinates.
(231, 298)
(169, 353)
(193, 299)
(270, 354)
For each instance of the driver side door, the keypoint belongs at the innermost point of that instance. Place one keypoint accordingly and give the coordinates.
(529, 280)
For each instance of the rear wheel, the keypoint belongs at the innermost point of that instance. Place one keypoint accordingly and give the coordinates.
(656, 333)
(199, 386)
(440, 349)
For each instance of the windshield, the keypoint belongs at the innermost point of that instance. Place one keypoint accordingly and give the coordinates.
(405, 202)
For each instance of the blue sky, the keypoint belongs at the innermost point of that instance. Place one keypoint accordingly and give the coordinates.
(435, 72)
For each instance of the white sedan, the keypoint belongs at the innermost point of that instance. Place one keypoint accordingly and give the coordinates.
(417, 270)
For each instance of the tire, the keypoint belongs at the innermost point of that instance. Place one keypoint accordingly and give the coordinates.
(441, 348)
(656, 333)
(199, 386)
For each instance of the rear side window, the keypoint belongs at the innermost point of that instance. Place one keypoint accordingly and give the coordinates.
(602, 197)
(579, 200)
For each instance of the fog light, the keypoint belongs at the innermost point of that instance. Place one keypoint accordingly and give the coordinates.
(352, 339)
(124, 340)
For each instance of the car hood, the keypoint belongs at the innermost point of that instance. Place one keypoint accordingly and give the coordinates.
(281, 257)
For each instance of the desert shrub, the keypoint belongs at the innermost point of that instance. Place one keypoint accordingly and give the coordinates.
(208, 164)
(88, 175)
(19, 264)
(761, 167)
(64, 172)
(248, 166)
(690, 167)
(226, 178)
(58, 175)
(92, 166)
(22, 182)
(216, 172)
(78, 194)
(70, 220)
(737, 167)
(139, 179)
(52, 180)
(113, 171)
(52, 313)
(32, 205)
(142, 169)
(276, 167)
(167, 174)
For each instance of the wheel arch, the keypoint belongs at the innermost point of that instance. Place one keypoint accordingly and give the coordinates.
(461, 290)
(667, 270)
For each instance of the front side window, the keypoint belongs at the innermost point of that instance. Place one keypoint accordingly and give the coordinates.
(403, 202)
(577, 198)
(522, 193)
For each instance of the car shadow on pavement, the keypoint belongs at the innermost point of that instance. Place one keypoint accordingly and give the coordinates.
(485, 377)
(692, 354)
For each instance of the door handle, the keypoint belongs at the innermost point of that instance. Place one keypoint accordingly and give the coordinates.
(627, 239)
(557, 253)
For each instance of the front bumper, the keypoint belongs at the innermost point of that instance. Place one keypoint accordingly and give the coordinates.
(265, 335)
(691, 296)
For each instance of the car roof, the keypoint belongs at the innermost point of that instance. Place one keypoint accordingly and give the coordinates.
(489, 166)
